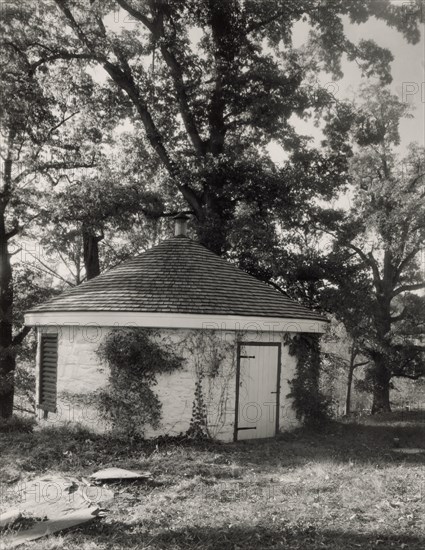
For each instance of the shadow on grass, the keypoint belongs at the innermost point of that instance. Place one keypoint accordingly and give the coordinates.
(364, 440)
(402, 416)
(292, 537)
(341, 441)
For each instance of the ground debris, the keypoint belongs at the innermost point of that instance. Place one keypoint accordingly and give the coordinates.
(58, 502)
(116, 474)
(54, 496)
(44, 528)
(8, 518)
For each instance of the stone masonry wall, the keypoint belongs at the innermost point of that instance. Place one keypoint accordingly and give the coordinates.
(214, 353)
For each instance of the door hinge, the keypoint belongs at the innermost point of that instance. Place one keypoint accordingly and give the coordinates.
(254, 428)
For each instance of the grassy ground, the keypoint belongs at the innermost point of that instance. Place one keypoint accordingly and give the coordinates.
(343, 488)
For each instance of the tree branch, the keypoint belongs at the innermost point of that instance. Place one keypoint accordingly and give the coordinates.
(52, 166)
(261, 24)
(408, 259)
(157, 29)
(369, 260)
(13, 232)
(414, 181)
(182, 98)
(409, 376)
(61, 123)
(7, 168)
(137, 15)
(66, 264)
(125, 81)
(73, 23)
(407, 288)
(19, 338)
(59, 55)
(48, 269)
(362, 364)
(399, 317)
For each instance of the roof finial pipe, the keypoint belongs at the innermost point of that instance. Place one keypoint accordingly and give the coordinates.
(180, 227)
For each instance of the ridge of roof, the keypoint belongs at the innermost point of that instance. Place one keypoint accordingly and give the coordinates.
(179, 275)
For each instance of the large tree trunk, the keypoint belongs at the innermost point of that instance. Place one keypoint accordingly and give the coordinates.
(381, 370)
(351, 369)
(381, 386)
(211, 233)
(212, 226)
(349, 388)
(91, 252)
(7, 357)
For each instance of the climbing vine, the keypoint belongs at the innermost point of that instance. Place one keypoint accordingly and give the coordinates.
(309, 403)
(198, 428)
(135, 357)
(213, 356)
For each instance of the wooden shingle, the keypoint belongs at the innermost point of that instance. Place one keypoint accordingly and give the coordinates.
(178, 276)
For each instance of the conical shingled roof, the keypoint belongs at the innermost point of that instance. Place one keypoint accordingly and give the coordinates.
(178, 276)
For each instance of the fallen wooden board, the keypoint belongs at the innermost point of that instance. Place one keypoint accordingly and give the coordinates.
(9, 517)
(45, 528)
(114, 474)
(55, 496)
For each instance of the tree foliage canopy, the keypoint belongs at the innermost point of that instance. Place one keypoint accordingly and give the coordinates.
(383, 233)
(212, 82)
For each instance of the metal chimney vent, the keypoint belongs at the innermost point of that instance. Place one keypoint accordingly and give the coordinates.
(180, 228)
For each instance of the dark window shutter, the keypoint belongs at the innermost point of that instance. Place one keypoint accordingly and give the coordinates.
(48, 372)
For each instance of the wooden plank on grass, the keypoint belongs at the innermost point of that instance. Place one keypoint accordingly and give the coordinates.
(9, 517)
(45, 528)
(114, 474)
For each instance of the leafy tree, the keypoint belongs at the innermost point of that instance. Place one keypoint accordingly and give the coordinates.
(33, 149)
(212, 82)
(349, 299)
(104, 203)
(385, 231)
(30, 288)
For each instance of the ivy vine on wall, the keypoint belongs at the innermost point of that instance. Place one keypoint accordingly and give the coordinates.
(310, 405)
(135, 357)
(198, 428)
(213, 358)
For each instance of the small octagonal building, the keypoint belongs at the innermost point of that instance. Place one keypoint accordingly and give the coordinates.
(229, 327)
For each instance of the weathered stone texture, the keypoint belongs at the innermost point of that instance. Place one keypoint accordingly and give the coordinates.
(80, 373)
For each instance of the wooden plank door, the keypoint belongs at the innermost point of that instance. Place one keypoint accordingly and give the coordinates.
(257, 391)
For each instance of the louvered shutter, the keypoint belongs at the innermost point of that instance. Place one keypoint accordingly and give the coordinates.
(48, 371)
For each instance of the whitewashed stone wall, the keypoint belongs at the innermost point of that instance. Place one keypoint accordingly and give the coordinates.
(80, 373)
